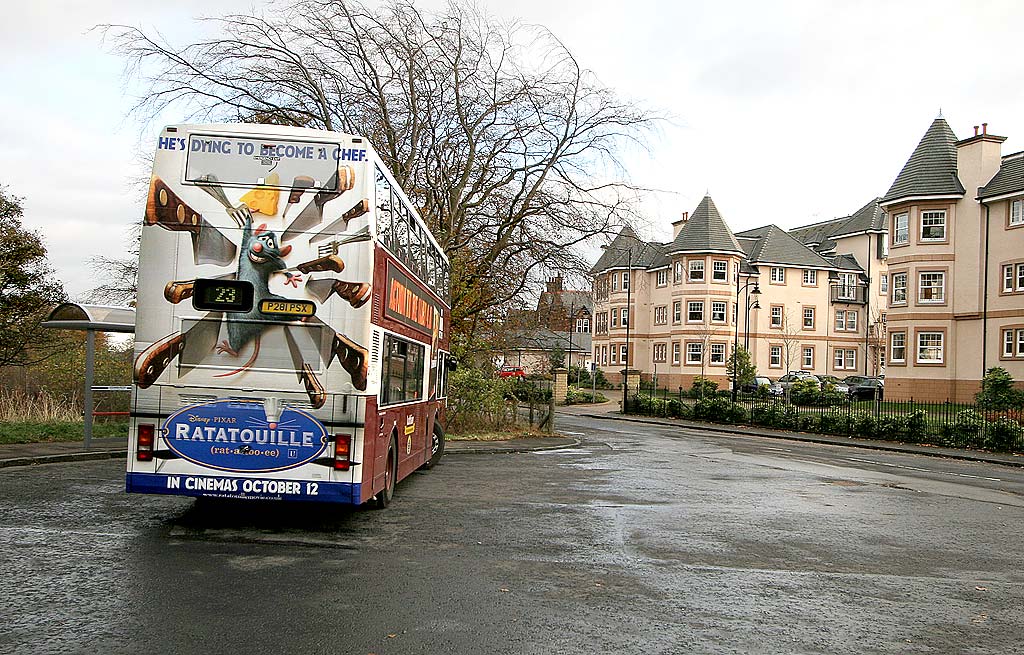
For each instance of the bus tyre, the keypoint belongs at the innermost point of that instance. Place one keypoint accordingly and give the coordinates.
(436, 446)
(390, 476)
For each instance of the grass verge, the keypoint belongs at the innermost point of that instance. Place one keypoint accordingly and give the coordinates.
(44, 431)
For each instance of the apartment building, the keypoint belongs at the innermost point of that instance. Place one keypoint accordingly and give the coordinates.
(810, 299)
(956, 266)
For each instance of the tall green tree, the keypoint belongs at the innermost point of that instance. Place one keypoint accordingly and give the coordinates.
(745, 369)
(28, 288)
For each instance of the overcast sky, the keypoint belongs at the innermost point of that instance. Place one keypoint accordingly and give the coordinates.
(786, 112)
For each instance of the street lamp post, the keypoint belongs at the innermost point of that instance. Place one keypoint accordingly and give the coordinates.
(756, 291)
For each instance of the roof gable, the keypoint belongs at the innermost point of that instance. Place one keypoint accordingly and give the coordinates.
(1009, 178)
(778, 247)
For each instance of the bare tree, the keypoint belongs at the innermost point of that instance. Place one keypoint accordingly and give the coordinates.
(508, 147)
(790, 337)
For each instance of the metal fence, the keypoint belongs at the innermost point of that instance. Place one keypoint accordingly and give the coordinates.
(949, 424)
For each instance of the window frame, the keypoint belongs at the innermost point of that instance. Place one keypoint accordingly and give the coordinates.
(893, 359)
(941, 360)
(693, 266)
(805, 316)
(806, 363)
(933, 214)
(905, 277)
(897, 232)
(810, 277)
(777, 279)
(774, 355)
(724, 312)
(689, 311)
(921, 287)
(698, 350)
(771, 316)
(661, 277)
(715, 271)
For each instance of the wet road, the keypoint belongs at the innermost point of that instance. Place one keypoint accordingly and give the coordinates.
(643, 540)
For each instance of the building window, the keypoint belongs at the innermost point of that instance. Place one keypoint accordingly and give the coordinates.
(695, 311)
(625, 280)
(696, 270)
(1008, 278)
(718, 353)
(734, 310)
(615, 353)
(776, 316)
(583, 325)
(808, 318)
(675, 353)
(933, 225)
(659, 353)
(851, 320)
(615, 281)
(883, 284)
(1016, 213)
(719, 271)
(662, 277)
(931, 287)
(898, 347)
(601, 323)
(660, 315)
(930, 347)
(808, 357)
(718, 312)
(899, 288)
(775, 357)
(900, 229)
(840, 320)
(1020, 343)
(847, 286)
(623, 354)
(694, 353)
(615, 318)
(677, 312)
(1008, 343)
(625, 316)
(1020, 277)
(604, 355)
(844, 359)
(810, 277)
(778, 275)
(677, 273)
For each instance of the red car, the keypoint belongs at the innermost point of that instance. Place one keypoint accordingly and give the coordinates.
(511, 372)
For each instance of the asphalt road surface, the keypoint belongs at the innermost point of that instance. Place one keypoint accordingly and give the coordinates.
(642, 540)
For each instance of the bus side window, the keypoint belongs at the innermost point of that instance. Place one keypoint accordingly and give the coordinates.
(384, 229)
(400, 226)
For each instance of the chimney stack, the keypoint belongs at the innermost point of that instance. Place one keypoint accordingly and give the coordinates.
(975, 130)
(984, 128)
(677, 226)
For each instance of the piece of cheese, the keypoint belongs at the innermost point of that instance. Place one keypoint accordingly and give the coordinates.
(263, 199)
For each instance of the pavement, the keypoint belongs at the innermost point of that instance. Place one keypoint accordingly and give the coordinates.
(116, 447)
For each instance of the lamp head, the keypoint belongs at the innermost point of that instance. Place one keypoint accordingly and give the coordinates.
(757, 289)
(756, 305)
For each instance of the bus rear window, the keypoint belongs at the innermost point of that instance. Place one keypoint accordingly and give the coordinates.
(249, 161)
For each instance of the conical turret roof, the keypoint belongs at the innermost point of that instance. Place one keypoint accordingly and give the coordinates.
(641, 254)
(706, 231)
(931, 170)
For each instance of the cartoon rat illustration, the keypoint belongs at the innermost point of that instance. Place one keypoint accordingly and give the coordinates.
(260, 256)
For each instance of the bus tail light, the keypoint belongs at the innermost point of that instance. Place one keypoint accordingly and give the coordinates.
(342, 452)
(144, 443)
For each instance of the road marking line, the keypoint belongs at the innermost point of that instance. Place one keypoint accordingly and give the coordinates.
(914, 468)
(575, 434)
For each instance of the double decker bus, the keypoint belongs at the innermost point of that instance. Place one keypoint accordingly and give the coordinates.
(292, 321)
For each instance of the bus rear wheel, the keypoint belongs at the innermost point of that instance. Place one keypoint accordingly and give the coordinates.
(436, 446)
(390, 477)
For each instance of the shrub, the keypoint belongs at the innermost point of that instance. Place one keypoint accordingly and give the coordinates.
(719, 410)
(862, 423)
(703, 387)
(891, 427)
(965, 431)
(997, 390)
(576, 396)
(835, 422)
(476, 401)
(1003, 434)
(804, 392)
(917, 425)
(810, 423)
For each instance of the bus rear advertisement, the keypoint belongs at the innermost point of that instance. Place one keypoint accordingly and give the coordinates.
(292, 321)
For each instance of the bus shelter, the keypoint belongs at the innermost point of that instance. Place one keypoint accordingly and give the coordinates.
(91, 319)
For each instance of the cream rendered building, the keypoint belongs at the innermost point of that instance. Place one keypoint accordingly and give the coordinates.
(956, 259)
(820, 308)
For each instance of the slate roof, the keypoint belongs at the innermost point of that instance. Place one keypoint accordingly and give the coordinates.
(547, 340)
(846, 263)
(641, 253)
(1009, 178)
(931, 169)
(778, 247)
(706, 231)
(821, 236)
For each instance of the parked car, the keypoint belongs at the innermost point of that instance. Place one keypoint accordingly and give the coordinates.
(868, 389)
(511, 372)
(752, 387)
(789, 379)
(837, 384)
